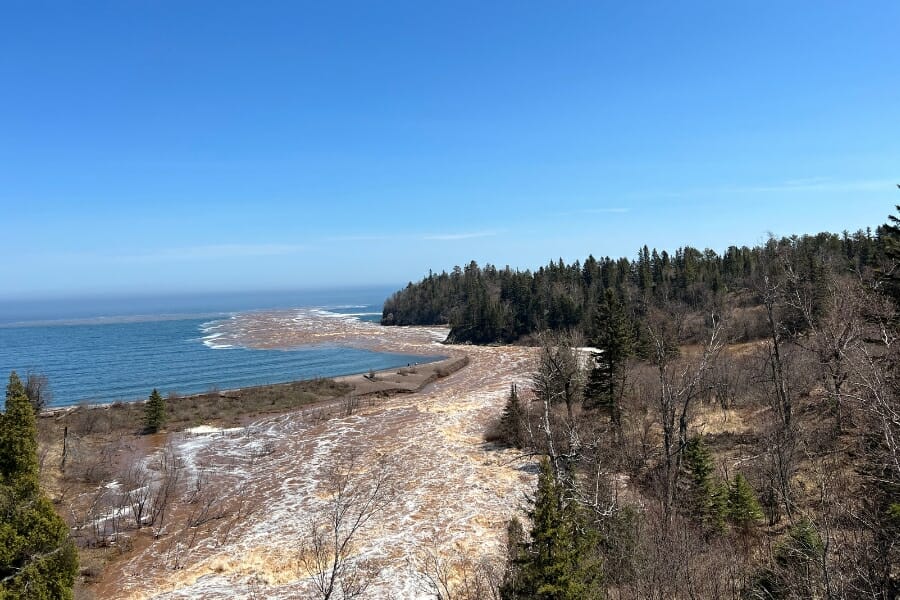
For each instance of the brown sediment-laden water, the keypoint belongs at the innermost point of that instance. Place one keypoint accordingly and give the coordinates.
(267, 483)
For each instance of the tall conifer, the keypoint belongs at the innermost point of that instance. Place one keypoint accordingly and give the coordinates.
(18, 438)
(511, 421)
(557, 562)
(614, 344)
(37, 558)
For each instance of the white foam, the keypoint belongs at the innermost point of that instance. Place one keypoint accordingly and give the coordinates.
(206, 429)
(210, 341)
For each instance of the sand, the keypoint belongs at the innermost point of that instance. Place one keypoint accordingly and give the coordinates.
(455, 493)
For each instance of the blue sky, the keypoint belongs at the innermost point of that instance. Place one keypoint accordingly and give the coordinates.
(150, 146)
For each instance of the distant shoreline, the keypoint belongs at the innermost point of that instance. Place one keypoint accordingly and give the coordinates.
(120, 359)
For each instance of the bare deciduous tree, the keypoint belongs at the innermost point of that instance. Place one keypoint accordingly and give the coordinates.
(138, 493)
(354, 496)
(445, 577)
(559, 378)
(680, 382)
(169, 468)
(782, 437)
(37, 388)
(832, 331)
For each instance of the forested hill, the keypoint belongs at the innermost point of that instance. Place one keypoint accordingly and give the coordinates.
(486, 304)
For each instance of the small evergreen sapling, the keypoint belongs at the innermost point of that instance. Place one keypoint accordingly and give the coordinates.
(706, 497)
(743, 507)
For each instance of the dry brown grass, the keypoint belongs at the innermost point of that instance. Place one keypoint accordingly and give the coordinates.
(220, 408)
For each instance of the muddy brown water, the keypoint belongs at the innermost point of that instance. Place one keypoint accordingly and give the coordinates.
(454, 492)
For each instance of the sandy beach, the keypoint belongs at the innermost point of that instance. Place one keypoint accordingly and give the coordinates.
(453, 492)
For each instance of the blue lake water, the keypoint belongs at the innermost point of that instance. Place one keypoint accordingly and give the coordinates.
(103, 358)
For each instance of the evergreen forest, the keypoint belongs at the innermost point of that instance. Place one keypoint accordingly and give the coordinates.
(485, 305)
(706, 425)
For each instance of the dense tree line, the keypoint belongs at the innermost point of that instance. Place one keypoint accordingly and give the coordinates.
(735, 437)
(487, 304)
(798, 499)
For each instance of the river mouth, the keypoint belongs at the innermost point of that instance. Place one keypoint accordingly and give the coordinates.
(454, 492)
(101, 361)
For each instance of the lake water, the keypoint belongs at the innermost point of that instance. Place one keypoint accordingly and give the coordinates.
(122, 349)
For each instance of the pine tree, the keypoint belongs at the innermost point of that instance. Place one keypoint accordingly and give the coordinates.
(37, 558)
(510, 429)
(18, 438)
(706, 498)
(557, 562)
(889, 234)
(615, 345)
(743, 507)
(154, 412)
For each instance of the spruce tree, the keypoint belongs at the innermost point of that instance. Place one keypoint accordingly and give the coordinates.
(743, 507)
(37, 558)
(154, 412)
(889, 233)
(557, 562)
(706, 498)
(510, 428)
(18, 438)
(615, 345)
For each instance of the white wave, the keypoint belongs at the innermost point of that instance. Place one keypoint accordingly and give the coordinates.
(210, 341)
(212, 325)
(321, 312)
